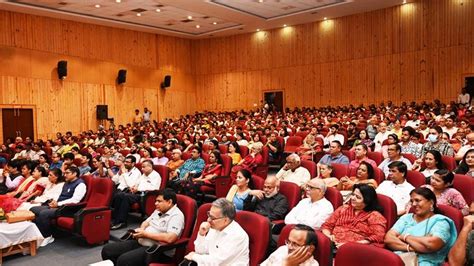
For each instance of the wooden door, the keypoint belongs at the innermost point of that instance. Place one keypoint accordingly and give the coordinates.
(17, 122)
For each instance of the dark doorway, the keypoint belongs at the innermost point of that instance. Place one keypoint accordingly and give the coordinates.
(275, 100)
(469, 84)
(17, 123)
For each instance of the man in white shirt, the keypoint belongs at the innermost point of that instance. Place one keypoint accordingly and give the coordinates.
(165, 225)
(397, 187)
(313, 210)
(414, 122)
(127, 175)
(333, 135)
(394, 155)
(150, 180)
(73, 191)
(160, 159)
(293, 172)
(381, 136)
(450, 128)
(221, 240)
(299, 248)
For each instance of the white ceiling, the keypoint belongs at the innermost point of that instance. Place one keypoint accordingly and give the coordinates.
(209, 18)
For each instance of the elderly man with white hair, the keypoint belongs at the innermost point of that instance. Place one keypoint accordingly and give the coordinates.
(269, 202)
(293, 172)
(314, 210)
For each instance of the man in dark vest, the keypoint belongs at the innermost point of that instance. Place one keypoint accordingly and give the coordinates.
(73, 191)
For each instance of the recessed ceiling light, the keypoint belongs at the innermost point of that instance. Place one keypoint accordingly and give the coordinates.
(260, 1)
(190, 17)
(404, 2)
(97, 6)
(284, 25)
(258, 29)
(215, 23)
(198, 26)
(118, 1)
(325, 18)
(158, 10)
(139, 14)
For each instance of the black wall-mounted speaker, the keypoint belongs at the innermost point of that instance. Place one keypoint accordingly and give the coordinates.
(122, 76)
(167, 82)
(102, 112)
(62, 69)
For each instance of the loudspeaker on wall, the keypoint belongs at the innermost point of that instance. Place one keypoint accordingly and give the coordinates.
(62, 69)
(167, 82)
(102, 112)
(122, 76)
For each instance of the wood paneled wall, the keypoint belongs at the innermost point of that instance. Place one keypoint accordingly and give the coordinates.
(31, 46)
(418, 51)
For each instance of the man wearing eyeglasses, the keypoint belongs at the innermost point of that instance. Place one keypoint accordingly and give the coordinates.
(314, 210)
(73, 191)
(221, 240)
(298, 248)
(269, 202)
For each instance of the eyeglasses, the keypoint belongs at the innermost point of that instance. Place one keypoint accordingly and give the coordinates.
(212, 218)
(308, 187)
(293, 244)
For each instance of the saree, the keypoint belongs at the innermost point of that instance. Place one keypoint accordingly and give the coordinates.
(437, 225)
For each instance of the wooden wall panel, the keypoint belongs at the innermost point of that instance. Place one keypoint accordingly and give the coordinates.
(418, 51)
(31, 46)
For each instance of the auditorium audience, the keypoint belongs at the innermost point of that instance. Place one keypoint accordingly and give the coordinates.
(425, 234)
(394, 155)
(298, 248)
(51, 186)
(220, 240)
(396, 187)
(164, 225)
(312, 210)
(359, 221)
(293, 172)
(234, 152)
(462, 252)
(268, 202)
(361, 156)
(466, 167)
(441, 184)
(325, 173)
(149, 180)
(251, 161)
(335, 155)
(435, 142)
(73, 191)
(407, 145)
(432, 163)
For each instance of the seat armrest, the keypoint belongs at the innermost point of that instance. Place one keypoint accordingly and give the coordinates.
(69, 210)
(180, 243)
(79, 216)
(277, 225)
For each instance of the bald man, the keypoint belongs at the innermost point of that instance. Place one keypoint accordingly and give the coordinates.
(269, 202)
(293, 172)
(313, 210)
(470, 145)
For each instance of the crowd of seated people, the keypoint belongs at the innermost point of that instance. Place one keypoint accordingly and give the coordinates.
(398, 140)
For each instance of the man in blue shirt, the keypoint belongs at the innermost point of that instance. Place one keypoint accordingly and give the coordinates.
(192, 167)
(335, 155)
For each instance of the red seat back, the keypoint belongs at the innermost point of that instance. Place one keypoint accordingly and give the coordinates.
(101, 191)
(389, 210)
(205, 157)
(292, 192)
(349, 154)
(164, 172)
(226, 164)
(355, 254)
(292, 143)
(186, 156)
(125, 152)
(188, 207)
(257, 228)
(323, 251)
(223, 148)
(449, 162)
(257, 182)
(454, 214)
(200, 218)
(415, 178)
(412, 158)
(302, 134)
(339, 170)
(465, 185)
(334, 196)
(376, 156)
(311, 166)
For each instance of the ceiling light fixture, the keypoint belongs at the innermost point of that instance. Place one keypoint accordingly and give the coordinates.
(190, 17)
(284, 25)
(118, 1)
(260, 1)
(258, 29)
(325, 18)
(158, 10)
(404, 2)
(198, 26)
(97, 6)
(139, 14)
(215, 23)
